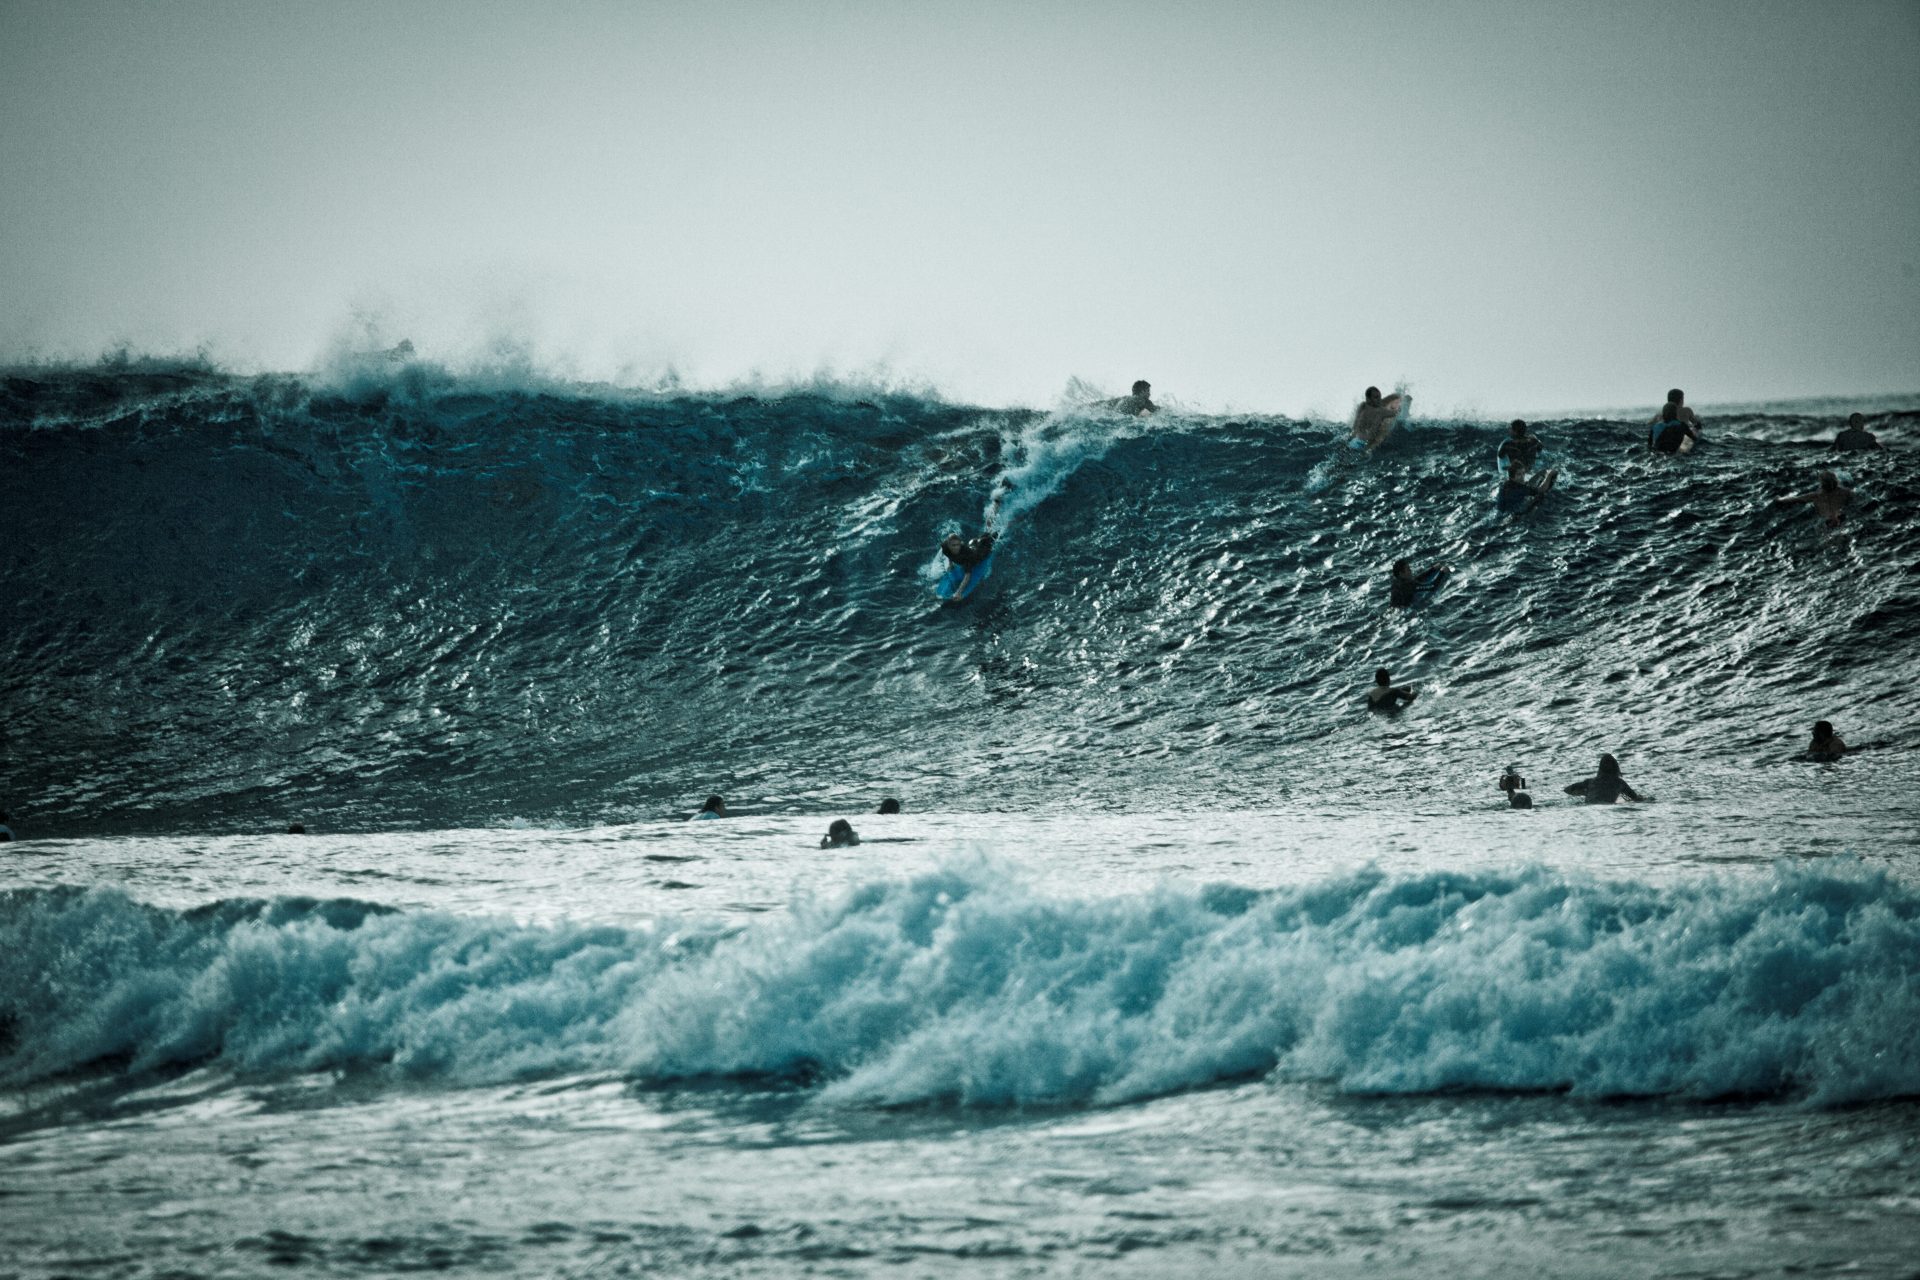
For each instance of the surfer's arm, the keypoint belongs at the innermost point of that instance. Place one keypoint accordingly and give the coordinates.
(1577, 789)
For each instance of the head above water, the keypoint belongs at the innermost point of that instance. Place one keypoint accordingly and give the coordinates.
(1401, 569)
(1821, 729)
(1373, 395)
(1670, 413)
(1142, 388)
(1829, 482)
(1856, 419)
(889, 805)
(1609, 767)
(1676, 396)
(1381, 677)
(1519, 428)
(715, 805)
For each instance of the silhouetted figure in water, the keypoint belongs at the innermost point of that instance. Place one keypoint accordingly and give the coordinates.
(1405, 587)
(6, 832)
(1855, 438)
(1385, 697)
(1826, 744)
(1829, 500)
(1674, 429)
(296, 828)
(967, 553)
(840, 835)
(1518, 492)
(1138, 404)
(1606, 786)
(889, 805)
(715, 807)
(1516, 788)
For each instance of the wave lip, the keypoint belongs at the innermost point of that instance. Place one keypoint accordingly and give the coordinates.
(964, 986)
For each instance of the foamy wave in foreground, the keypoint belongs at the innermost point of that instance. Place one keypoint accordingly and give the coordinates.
(966, 985)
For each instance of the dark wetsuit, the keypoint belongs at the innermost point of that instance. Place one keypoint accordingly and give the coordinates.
(1603, 788)
(968, 555)
(1401, 593)
(1855, 439)
(1668, 436)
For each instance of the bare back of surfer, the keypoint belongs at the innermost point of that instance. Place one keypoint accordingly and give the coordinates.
(1829, 501)
(1373, 418)
(1139, 403)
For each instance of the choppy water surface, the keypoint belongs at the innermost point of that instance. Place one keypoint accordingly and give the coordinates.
(1177, 962)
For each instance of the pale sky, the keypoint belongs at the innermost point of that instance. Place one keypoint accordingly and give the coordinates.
(1512, 206)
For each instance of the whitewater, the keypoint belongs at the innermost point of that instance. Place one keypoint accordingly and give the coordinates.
(1176, 961)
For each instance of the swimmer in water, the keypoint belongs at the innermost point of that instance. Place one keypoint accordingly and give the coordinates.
(1606, 786)
(1517, 491)
(889, 805)
(840, 835)
(1373, 418)
(967, 553)
(1826, 743)
(1855, 438)
(1829, 500)
(1516, 788)
(1406, 584)
(1138, 404)
(1385, 697)
(715, 807)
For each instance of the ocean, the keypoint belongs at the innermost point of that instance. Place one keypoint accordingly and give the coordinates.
(1176, 961)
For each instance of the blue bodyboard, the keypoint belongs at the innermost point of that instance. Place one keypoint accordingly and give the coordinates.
(1430, 581)
(957, 583)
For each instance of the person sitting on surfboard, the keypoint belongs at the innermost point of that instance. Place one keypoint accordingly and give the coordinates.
(1139, 404)
(1516, 788)
(1674, 425)
(1406, 584)
(1606, 786)
(1384, 696)
(1856, 438)
(1519, 446)
(1829, 500)
(1373, 418)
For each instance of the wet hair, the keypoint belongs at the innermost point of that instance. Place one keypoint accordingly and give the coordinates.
(296, 829)
(714, 804)
(1609, 767)
(1856, 419)
(1381, 677)
(1373, 393)
(1520, 425)
(839, 832)
(1398, 565)
(1675, 396)
(1821, 729)
(1828, 482)
(1670, 413)
(889, 805)
(1141, 387)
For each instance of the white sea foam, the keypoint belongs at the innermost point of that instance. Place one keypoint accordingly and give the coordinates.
(966, 985)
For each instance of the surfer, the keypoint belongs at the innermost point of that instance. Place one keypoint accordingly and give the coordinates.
(1855, 438)
(889, 805)
(1138, 404)
(1373, 418)
(1517, 491)
(1826, 744)
(840, 835)
(1519, 447)
(1606, 786)
(1829, 500)
(1384, 696)
(1406, 584)
(715, 807)
(1516, 788)
(967, 553)
(1674, 425)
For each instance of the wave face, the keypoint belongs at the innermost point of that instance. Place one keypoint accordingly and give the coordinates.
(418, 600)
(962, 985)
